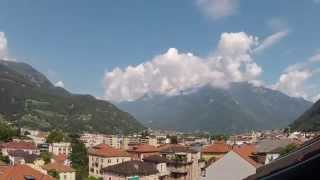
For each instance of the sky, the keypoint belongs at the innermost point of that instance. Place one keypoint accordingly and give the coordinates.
(121, 50)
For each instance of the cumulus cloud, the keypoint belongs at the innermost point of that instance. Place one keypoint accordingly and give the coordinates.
(3, 46)
(271, 40)
(217, 9)
(295, 78)
(293, 82)
(59, 84)
(174, 71)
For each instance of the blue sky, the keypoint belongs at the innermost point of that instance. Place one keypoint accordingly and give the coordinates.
(78, 41)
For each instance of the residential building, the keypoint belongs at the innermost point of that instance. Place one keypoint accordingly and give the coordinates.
(103, 155)
(22, 157)
(184, 162)
(215, 151)
(140, 151)
(131, 170)
(112, 140)
(269, 149)
(235, 165)
(91, 140)
(29, 147)
(151, 140)
(22, 172)
(65, 172)
(161, 165)
(302, 163)
(60, 148)
(62, 159)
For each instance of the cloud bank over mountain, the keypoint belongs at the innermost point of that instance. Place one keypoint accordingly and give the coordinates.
(174, 71)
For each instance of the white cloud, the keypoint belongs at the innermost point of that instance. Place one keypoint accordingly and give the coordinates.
(296, 79)
(217, 9)
(59, 84)
(316, 98)
(173, 71)
(309, 63)
(315, 58)
(3, 46)
(271, 40)
(293, 83)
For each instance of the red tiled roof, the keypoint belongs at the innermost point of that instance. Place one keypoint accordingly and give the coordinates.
(19, 145)
(19, 172)
(59, 167)
(217, 148)
(107, 151)
(246, 151)
(144, 148)
(173, 148)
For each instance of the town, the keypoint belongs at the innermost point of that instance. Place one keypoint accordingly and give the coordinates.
(149, 155)
(159, 90)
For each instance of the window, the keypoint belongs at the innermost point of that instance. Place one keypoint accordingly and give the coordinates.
(109, 178)
(117, 160)
(109, 160)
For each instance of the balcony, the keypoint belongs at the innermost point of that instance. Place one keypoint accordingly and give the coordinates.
(179, 169)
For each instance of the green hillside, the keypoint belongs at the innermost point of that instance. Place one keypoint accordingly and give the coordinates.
(28, 98)
(310, 120)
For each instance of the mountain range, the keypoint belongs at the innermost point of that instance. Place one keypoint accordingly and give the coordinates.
(308, 121)
(241, 107)
(29, 99)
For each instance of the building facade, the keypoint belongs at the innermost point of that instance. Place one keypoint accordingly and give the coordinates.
(102, 156)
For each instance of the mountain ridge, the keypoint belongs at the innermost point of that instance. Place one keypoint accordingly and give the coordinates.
(29, 99)
(309, 120)
(241, 107)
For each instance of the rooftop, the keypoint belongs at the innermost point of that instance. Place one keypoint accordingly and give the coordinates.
(217, 148)
(143, 148)
(19, 145)
(132, 168)
(59, 167)
(246, 152)
(19, 172)
(155, 159)
(308, 151)
(176, 148)
(29, 158)
(105, 150)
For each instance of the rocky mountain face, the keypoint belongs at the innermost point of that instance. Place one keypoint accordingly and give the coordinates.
(242, 107)
(28, 98)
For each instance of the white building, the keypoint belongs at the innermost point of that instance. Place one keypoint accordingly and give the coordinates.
(103, 156)
(60, 148)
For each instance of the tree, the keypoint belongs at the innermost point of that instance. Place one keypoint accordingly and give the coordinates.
(26, 133)
(53, 173)
(288, 149)
(7, 132)
(220, 137)
(46, 157)
(173, 139)
(55, 136)
(93, 178)
(79, 157)
(4, 158)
